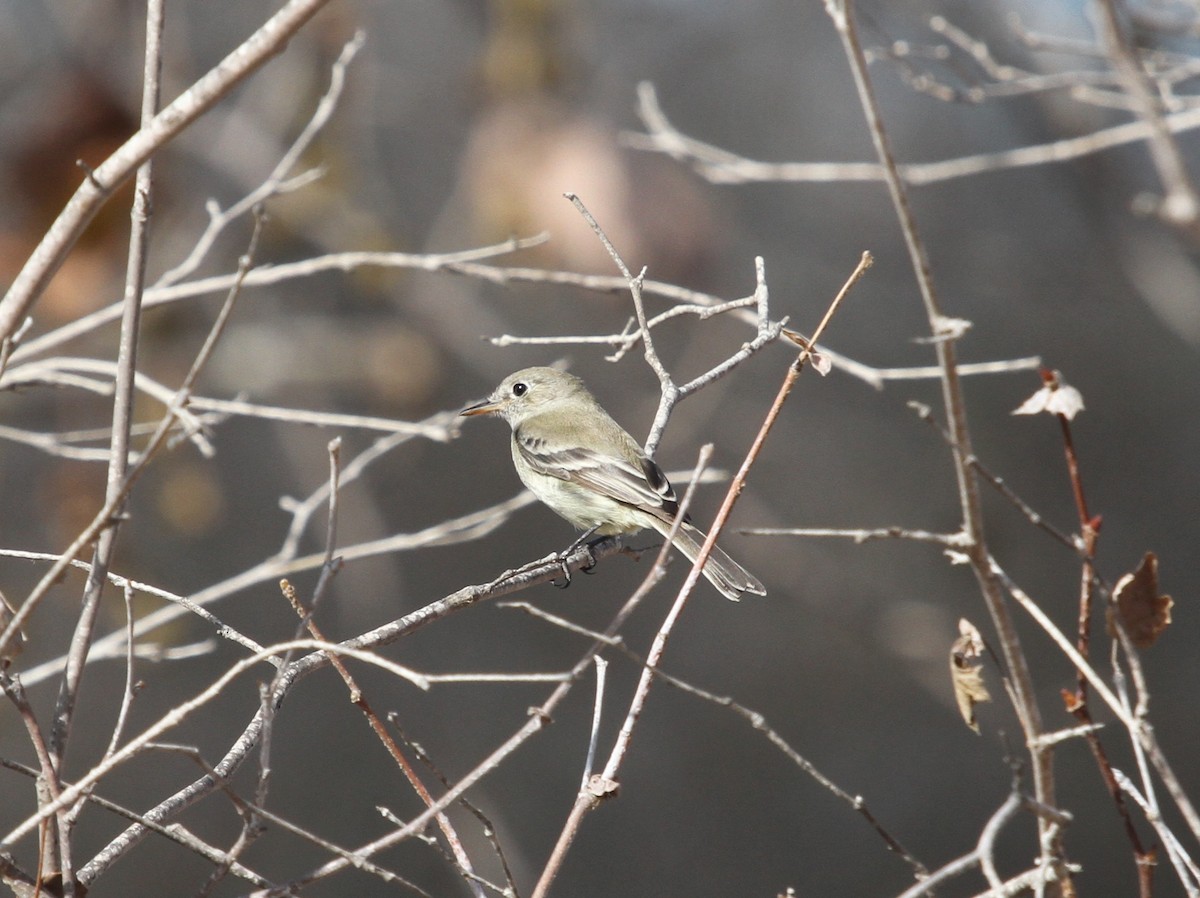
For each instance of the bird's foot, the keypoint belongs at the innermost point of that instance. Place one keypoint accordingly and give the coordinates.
(564, 556)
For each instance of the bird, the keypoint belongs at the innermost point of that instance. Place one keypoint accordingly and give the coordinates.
(572, 455)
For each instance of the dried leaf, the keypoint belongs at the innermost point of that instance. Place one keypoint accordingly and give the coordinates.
(1056, 397)
(820, 362)
(1144, 613)
(966, 676)
(600, 786)
(1071, 700)
(799, 339)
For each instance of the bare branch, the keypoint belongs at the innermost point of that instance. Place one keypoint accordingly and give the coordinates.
(270, 39)
(1180, 206)
(275, 274)
(275, 182)
(185, 709)
(861, 536)
(843, 17)
(122, 414)
(721, 167)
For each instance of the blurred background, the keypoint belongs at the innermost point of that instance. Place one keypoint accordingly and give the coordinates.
(462, 124)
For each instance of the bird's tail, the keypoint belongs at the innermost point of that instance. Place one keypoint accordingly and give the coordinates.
(729, 577)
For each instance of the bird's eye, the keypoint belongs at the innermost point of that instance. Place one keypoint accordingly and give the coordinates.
(520, 389)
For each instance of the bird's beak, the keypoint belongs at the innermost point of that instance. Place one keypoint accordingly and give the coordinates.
(487, 407)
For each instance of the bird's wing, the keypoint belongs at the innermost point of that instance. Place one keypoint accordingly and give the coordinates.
(642, 486)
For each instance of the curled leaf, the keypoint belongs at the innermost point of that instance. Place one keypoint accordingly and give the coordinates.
(1136, 600)
(821, 363)
(965, 674)
(1056, 397)
(599, 786)
(1072, 700)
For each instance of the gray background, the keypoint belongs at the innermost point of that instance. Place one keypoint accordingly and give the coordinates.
(446, 140)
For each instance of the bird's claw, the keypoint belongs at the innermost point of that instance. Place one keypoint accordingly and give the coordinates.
(589, 567)
(566, 580)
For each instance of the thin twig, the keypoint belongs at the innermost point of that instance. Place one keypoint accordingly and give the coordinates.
(103, 518)
(184, 710)
(722, 167)
(53, 835)
(218, 219)
(985, 848)
(274, 274)
(841, 12)
(177, 834)
(357, 697)
(168, 124)
(754, 718)
(10, 343)
(130, 690)
(122, 413)
(597, 713)
(604, 784)
(925, 413)
(1180, 205)
(949, 540)
(670, 392)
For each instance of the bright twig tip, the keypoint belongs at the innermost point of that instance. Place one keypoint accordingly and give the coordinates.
(1056, 397)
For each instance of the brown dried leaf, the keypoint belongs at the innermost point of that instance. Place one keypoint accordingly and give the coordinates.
(1071, 700)
(967, 677)
(821, 363)
(1144, 613)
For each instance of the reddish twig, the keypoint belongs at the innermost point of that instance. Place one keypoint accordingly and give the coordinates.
(1077, 704)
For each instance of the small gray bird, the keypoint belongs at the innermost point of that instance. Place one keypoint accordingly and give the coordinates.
(575, 458)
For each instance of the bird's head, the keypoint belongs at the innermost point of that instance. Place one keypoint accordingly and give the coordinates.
(526, 393)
